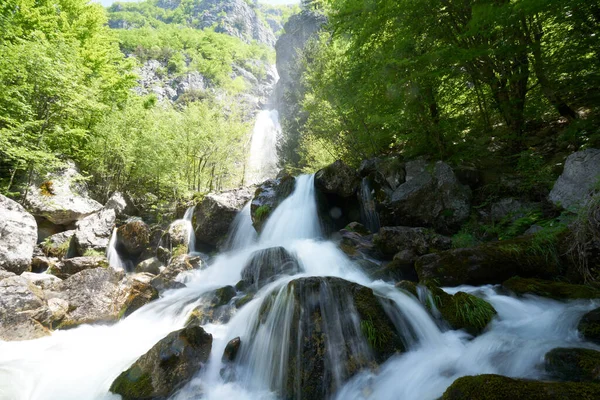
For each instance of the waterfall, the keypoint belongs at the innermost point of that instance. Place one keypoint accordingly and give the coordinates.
(368, 213)
(82, 362)
(242, 233)
(112, 255)
(191, 235)
(262, 161)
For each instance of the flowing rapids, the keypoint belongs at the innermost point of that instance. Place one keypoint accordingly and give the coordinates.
(82, 363)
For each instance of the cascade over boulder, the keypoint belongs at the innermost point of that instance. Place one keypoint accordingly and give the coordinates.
(215, 213)
(321, 332)
(431, 196)
(266, 265)
(268, 196)
(61, 196)
(579, 177)
(589, 326)
(18, 236)
(496, 387)
(167, 366)
(93, 232)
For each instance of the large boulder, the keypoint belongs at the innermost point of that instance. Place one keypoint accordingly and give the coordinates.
(215, 213)
(337, 178)
(24, 313)
(496, 387)
(431, 196)
(319, 332)
(579, 178)
(267, 265)
(268, 196)
(92, 234)
(573, 364)
(589, 326)
(61, 197)
(133, 237)
(71, 266)
(18, 236)
(492, 262)
(117, 203)
(167, 366)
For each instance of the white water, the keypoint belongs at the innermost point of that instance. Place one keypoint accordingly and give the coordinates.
(368, 213)
(112, 255)
(191, 240)
(262, 160)
(242, 233)
(81, 363)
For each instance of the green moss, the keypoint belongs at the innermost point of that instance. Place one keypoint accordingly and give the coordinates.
(50, 248)
(262, 213)
(463, 239)
(496, 387)
(133, 384)
(93, 253)
(239, 303)
(179, 250)
(574, 364)
(553, 290)
(589, 326)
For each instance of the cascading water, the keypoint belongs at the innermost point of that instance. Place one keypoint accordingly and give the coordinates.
(242, 233)
(81, 363)
(191, 235)
(262, 161)
(368, 213)
(112, 255)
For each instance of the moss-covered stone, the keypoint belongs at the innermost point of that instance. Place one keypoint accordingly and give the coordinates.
(574, 364)
(496, 387)
(551, 289)
(268, 196)
(589, 326)
(133, 237)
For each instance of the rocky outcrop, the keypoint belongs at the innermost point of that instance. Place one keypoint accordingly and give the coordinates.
(71, 266)
(167, 366)
(266, 265)
(496, 387)
(307, 326)
(93, 232)
(18, 236)
(268, 196)
(133, 237)
(337, 178)
(431, 196)
(579, 177)
(215, 213)
(589, 326)
(61, 197)
(492, 262)
(572, 364)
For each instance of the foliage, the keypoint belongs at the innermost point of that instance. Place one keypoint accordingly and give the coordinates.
(93, 253)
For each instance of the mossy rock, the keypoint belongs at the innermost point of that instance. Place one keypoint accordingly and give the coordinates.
(551, 289)
(589, 326)
(574, 364)
(409, 287)
(496, 387)
(268, 196)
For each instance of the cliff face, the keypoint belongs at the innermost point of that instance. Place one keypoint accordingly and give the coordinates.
(289, 91)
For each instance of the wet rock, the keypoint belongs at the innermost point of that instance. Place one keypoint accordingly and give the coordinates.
(306, 321)
(579, 176)
(215, 307)
(551, 289)
(357, 245)
(266, 265)
(92, 234)
(589, 326)
(24, 313)
(167, 278)
(268, 196)
(496, 387)
(141, 293)
(231, 350)
(18, 236)
(573, 364)
(420, 241)
(216, 212)
(61, 197)
(71, 266)
(337, 178)
(431, 196)
(492, 262)
(167, 366)
(151, 265)
(58, 245)
(133, 237)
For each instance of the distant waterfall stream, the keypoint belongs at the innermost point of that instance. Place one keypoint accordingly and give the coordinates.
(319, 301)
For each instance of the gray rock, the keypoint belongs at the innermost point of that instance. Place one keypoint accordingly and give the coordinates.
(191, 82)
(61, 197)
(216, 212)
(23, 311)
(178, 233)
(44, 281)
(580, 176)
(41, 264)
(337, 178)
(430, 197)
(151, 266)
(133, 237)
(141, 293)
(167, 366)
(71, 266)
(268, 196)
(509, 207)
(93, 232)
(57, 245)
(117, 203)
(266, 265)
(18, 236)
(167, 278)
